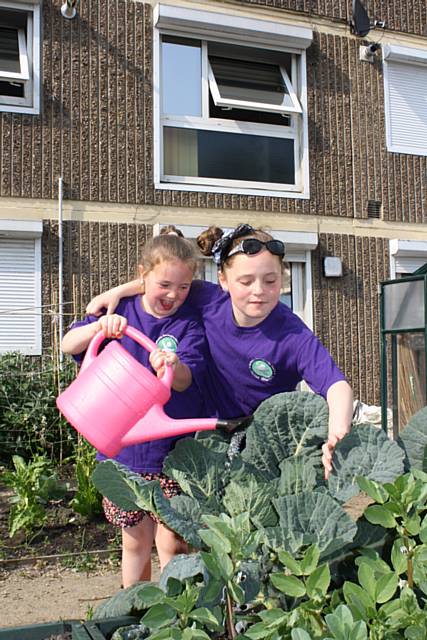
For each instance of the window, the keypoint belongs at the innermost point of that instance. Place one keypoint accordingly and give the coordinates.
(20, 286)
(231, 106)
(405, 81)
(19, 57)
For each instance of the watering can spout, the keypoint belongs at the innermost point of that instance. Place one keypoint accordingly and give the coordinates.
(156, 424)
(230, 426)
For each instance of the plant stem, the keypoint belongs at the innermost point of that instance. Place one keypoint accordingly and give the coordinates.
(229, 616)
(410, 565)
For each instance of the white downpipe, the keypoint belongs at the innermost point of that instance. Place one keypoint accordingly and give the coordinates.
(60, 270)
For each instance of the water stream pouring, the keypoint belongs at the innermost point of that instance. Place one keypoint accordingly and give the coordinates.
(115, 401)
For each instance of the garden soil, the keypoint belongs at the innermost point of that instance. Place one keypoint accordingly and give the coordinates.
(63, 573)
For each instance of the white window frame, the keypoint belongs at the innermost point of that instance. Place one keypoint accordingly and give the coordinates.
(206, 25)
(29, 60)
(257, 106)
(299, 246)
(18, 229)
(23, 60)
(406, 256)
(397, 53)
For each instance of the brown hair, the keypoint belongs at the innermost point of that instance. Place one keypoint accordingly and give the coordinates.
(168, 247)
(171, 230)
(207, 239)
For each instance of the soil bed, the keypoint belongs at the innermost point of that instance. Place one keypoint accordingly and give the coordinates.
(62, 572)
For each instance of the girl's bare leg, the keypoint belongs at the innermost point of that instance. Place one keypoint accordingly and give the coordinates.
(137, 543)
(168, 545)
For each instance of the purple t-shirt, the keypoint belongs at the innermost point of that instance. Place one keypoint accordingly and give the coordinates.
(183, 333)
(250, 364)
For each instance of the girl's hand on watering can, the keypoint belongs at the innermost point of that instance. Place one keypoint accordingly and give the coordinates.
(160, 359)
(113, 325)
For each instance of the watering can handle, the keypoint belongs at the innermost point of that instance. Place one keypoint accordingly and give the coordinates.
(140, 338)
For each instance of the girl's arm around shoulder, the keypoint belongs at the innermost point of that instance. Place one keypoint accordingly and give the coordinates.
(201, 294)
(108, 300)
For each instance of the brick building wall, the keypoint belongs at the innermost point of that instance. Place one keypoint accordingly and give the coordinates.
(96, 122)
(96, 130)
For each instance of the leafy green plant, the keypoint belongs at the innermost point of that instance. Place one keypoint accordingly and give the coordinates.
(34, 484)
(277, 478)
(87, 500)
(274, 539)
(30, 422)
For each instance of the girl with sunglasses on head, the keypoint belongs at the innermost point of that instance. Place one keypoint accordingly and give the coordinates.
(259, 347)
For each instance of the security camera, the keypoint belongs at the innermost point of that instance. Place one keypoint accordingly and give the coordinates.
(367, 54)
(372, 48)
(68, 9)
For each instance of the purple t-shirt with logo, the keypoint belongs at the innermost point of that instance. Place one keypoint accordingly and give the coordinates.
(183, 333)
(250, 364)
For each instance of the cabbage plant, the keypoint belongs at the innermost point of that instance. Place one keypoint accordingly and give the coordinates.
(274, 544)
(276, 477)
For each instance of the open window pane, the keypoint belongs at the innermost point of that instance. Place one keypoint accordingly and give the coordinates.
(251, 78)
(249, 115)
(20, 56)
(248, 81)
(181, 77)
(228, 156)
(9, 51)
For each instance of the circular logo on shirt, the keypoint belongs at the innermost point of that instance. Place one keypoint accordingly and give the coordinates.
(167, 343)
(261, 369)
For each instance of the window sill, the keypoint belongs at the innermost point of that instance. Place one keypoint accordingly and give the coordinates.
(12, 108)
(170, 186)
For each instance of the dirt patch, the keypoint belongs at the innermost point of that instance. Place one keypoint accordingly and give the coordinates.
(62, 573)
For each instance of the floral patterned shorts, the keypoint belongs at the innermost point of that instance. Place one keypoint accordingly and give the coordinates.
(121, 518)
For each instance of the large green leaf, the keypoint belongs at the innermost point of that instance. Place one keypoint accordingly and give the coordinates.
(218, 441)
(286, 425)
(181, 514)
(365, 451)
(126, 602)
(297, 475)
(198, 470)
(314, 518)
(183, 567)
(414, 439)
(252, 497)
(126, 489)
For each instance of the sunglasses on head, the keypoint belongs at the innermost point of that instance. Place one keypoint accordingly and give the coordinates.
(252, 246)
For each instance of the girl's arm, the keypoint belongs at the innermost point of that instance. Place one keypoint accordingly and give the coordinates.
(111, 298)
(340, 402)
(182, 377)
(77, 340)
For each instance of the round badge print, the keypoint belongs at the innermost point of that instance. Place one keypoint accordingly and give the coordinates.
(261, 369)
(167, 343)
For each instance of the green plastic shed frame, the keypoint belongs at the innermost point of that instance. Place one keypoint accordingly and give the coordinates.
(403, 311)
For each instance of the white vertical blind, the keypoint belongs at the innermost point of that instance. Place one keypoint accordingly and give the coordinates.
(20, 312)
(408, 264)
(405, 85)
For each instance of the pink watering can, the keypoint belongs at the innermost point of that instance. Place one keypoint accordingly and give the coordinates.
(115, 401)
